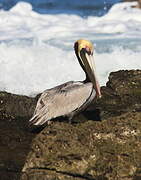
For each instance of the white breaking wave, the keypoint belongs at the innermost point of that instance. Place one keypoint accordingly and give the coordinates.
(36, 51)
(22, 22)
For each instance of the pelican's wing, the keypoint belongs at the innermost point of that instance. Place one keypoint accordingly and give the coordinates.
(61, 101)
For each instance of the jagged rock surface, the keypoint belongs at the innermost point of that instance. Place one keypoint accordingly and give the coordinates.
(103, 143)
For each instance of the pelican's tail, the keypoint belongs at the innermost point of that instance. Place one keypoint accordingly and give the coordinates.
(38, 119)
(34, 126)
(33, 120)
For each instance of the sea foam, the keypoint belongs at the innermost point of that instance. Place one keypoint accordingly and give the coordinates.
(37, 50)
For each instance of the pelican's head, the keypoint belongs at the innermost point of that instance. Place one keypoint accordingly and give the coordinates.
(84, 52)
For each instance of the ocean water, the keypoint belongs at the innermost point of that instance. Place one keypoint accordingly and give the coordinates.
(36, 41)
(79, 7)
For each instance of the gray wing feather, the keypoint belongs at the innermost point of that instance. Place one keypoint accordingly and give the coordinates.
(61, 101)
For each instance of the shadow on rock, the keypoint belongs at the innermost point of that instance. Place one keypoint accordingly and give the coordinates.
(15, 140)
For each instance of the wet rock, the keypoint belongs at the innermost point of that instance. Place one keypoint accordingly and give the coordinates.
(102, 143)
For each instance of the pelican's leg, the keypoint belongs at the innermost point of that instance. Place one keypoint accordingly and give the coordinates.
(70, 117)
(70, 120)
(49, 122)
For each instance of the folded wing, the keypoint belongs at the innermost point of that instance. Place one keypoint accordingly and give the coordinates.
(61, 101)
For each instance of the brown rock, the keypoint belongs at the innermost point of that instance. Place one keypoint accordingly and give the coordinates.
(107, 149)
(14, 138)
(16, 106)
(103, 143)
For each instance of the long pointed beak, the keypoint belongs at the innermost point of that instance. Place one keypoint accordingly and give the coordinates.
(88, 62)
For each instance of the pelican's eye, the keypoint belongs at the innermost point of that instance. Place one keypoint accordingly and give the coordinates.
(88, 50)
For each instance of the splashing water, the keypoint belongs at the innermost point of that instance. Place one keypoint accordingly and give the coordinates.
(37, 50)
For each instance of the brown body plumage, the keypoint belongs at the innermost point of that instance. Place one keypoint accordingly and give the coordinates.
(72, 97)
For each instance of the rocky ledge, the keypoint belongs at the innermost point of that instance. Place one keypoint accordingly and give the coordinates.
(102, 143)
(139, 2)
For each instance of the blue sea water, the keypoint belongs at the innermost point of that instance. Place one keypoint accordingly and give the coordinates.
(37, 37)
(80, 7)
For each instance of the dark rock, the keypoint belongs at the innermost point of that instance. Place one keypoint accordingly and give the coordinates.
(121, 94)
(110, 149)
(14, 138)
(16, 106)
(102, 143)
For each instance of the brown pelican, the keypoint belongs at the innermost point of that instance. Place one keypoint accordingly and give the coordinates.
(72, 97)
